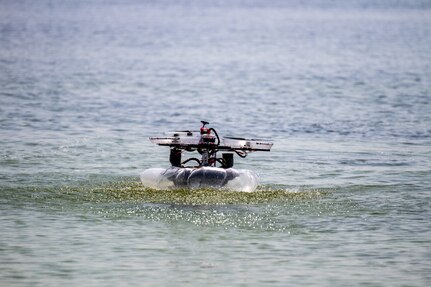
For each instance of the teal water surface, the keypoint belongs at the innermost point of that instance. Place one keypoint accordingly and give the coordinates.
(342, 87)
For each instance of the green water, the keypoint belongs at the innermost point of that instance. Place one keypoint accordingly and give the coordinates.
(342, 87)
(122, 233)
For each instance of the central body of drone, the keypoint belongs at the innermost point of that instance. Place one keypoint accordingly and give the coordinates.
(205, 173)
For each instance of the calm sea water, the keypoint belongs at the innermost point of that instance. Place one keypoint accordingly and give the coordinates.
(342, 87)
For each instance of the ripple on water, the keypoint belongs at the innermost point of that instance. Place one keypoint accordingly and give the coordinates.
(264, 209)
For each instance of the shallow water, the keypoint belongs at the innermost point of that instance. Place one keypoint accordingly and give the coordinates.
(342, 87)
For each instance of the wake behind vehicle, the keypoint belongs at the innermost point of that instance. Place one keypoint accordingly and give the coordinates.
(208, 171)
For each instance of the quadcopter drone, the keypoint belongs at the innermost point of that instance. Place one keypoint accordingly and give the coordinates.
(205, 172)
(207, 142)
